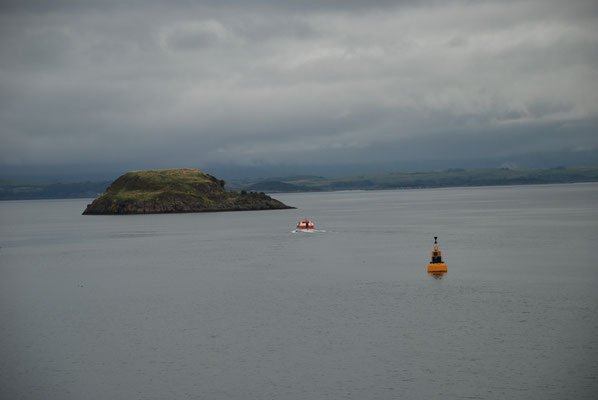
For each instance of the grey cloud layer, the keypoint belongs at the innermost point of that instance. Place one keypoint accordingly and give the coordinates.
(274, 82)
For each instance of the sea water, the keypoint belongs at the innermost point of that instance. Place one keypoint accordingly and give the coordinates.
(235, 305)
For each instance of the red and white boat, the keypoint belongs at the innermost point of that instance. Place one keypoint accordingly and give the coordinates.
(305, 225)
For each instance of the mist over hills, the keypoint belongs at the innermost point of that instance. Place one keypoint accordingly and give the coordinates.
(567, 158)
(231, 171)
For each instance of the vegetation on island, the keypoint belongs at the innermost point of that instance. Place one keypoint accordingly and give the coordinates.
(175, 191)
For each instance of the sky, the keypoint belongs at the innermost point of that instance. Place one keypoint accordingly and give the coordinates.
(130, 84)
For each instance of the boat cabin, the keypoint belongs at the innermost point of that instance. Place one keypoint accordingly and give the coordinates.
(305, 224)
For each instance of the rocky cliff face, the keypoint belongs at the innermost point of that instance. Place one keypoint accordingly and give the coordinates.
(175, 191)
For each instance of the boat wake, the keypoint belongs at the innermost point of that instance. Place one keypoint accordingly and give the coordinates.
(308, 231)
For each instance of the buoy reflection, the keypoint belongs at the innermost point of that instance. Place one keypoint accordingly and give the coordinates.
(437, 275)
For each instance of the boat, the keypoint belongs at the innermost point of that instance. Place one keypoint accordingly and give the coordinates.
(305, 225)
(436, 266)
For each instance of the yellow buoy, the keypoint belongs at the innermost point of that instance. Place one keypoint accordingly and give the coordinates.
(436, 266)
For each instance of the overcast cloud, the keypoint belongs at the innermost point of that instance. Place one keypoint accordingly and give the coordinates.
(154, 84)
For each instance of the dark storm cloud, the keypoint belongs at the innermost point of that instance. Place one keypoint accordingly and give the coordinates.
(189, 83)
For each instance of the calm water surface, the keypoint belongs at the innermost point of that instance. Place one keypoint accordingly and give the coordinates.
(236, 306)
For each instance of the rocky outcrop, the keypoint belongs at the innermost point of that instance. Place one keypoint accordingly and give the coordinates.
(175, 191)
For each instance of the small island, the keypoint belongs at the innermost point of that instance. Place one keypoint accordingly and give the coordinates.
(181, 190)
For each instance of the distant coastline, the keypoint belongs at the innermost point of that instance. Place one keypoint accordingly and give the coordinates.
(35, 190)
(420, 180)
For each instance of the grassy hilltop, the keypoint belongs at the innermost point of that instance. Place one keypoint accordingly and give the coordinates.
(175, 191)
(147, 185)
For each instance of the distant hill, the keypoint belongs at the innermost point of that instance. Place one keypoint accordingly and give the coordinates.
(175, 191)
(278, 186)
(26, 190)
(445, 178)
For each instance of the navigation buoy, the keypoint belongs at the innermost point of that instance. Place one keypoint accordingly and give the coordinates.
(436, 266)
